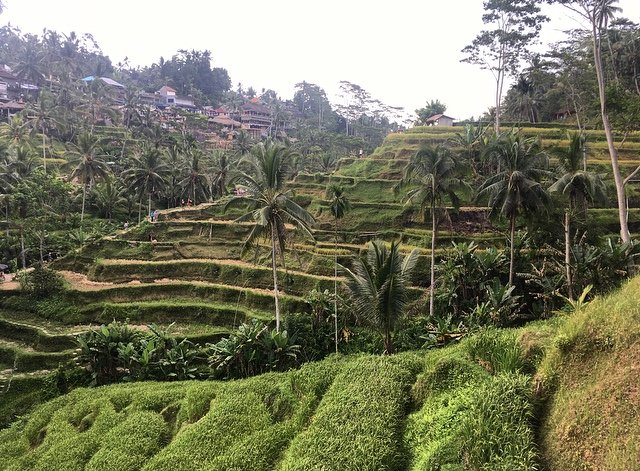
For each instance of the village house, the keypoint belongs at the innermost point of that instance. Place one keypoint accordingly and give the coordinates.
(255, 117)
(439, 120)
(167, 97)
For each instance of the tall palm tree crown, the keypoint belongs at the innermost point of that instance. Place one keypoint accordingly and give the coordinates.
(263, 187)
(580, 186)
(437, 176)
(88, 166)
(516, 189)
(147, 173)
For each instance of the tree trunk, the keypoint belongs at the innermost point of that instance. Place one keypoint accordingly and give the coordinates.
(140, 210)
(44, 153)
(388, 343)
(22, 254)
(275, 275)
(613, 153)
(335, 282)
(567, 251)
(511, 248)
(84, 196)
(433, 256)
(149, 206)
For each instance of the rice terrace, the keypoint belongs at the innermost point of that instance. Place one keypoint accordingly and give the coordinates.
(197, 275)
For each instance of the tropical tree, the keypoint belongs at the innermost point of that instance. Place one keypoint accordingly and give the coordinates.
(516, 188)
(339, 205)
(16, 132)
(176, 162)
(513, 26)
(379, 284)
(597, 14)
(432, 107)
(263, 187)
(146, 175)
(437, 176)
(86, 164)
(107, 197)
(220, 171)
(43, 112)
(581, 188)
(195, 182)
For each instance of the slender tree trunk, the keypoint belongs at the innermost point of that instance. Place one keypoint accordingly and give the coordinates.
(44, 153)
(84, 196)
(335, 282)
(140, 210)
(149, 205)
(613, 153)
(511, 248)
(567, 251)
(41, 240)
(388, 342)
(22, 254)
(6, 218)
(433, 256)
(275, 275)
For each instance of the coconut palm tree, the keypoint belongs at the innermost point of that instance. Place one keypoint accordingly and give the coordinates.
(220, 170)
(379, 286)
(195, 182)
(17, 132)
(86, 164)
(516, 188)
(263, 187)
(339, 205)
(146, 175)
(581, 188)
(176, 162)
(43, 112)
(437, 176)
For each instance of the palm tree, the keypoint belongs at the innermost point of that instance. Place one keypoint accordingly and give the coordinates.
(176, 163)
(436, 174)
(339, 205)
(43, 113)
(581, 188)
(16, 132)
(195, 182)
(220, 170)
(107, 197)
(147, 175)
(516, 188)
(379, 286)
(87, 165)
(263, 187)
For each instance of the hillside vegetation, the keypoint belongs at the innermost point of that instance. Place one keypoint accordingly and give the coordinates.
(558, 394)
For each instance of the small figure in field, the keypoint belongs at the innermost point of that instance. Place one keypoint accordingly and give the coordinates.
(156, 213)
(126, 225)
(2, 277)
(182, 203)
(189, 203)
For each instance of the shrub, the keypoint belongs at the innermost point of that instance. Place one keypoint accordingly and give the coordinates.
(41, 282)
(99, 351)
(497, 351)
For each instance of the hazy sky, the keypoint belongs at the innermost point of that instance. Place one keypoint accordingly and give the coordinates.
(403, 52)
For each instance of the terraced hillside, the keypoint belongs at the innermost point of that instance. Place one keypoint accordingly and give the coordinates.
(194, 276)
(557, 395)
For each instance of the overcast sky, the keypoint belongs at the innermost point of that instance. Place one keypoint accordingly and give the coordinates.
(403, 52)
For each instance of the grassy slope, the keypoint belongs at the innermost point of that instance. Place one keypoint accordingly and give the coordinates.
(476, 403)
(591, 374)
